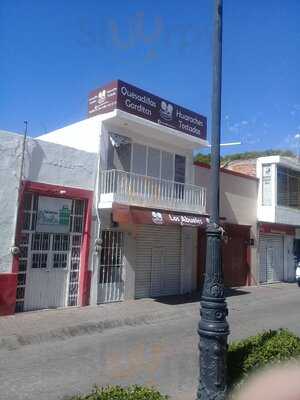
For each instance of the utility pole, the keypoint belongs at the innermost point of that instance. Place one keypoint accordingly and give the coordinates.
(213, 328)
(14, 248)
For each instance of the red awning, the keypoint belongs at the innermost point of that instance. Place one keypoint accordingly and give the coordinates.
(135, 215)
(266, 227)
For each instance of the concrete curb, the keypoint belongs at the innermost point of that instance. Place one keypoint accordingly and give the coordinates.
(14, 342)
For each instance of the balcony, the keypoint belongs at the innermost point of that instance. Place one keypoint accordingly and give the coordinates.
(145, 191)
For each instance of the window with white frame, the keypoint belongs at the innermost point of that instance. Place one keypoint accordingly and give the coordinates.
(288, 187)
(157, 163)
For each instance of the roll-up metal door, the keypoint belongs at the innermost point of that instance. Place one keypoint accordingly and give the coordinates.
(158, 261)
(271, 258)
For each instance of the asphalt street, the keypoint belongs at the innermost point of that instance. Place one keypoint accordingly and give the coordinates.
(161, 354)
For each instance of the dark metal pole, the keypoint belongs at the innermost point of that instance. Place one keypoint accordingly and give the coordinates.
(213, 328)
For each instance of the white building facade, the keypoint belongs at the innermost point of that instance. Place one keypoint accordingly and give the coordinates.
(113, 207)
(146, 205)
(50, 267)
(279, 217)
(107, 209)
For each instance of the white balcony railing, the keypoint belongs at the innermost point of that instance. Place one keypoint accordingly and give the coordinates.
(140, 190)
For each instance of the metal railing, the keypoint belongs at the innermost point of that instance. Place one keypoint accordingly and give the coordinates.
(141, 190)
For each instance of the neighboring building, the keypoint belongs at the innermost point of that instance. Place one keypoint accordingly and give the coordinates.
(247, 167)
(238, 211)
(278, 214)
(279, 217)
(52, 267)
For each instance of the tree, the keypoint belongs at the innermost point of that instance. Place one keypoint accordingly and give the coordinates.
(205, 158)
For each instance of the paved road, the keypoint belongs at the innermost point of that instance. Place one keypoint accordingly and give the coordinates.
(163, 353)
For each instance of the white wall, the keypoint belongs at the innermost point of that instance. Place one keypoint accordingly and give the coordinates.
(60, 165)
(83, 135)
(45, 163)
(238, 196)
(10, 159)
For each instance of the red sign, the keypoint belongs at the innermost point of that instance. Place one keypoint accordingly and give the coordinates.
(124, 214)
(125, 97)
(276, 228)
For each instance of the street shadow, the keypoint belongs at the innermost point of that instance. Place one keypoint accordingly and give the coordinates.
(196, 296)
(179, 299)
(230, 292)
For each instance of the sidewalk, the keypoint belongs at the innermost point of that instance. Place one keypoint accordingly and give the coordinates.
(59, 324)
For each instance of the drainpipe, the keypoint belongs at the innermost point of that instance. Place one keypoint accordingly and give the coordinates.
(98, 240)
(15, 250)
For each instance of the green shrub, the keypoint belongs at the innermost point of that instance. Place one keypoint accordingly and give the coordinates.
(120, 393)
(257, 351)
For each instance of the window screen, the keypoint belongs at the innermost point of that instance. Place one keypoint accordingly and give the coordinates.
(153, 167)
(167, 166)
(179, 168)
(139, 158)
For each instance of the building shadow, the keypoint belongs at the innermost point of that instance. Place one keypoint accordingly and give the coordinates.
(196, 296)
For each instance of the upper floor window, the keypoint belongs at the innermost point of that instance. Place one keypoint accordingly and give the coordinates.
(141, 159)
(118, 152)
(156, 163)
(288, 187)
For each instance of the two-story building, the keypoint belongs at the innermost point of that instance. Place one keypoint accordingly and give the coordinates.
(129, 229)
(278, 214)
(113, 207)
(279, 217)
(146, 206)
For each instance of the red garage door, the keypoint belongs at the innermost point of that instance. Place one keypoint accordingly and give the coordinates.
(234, 255)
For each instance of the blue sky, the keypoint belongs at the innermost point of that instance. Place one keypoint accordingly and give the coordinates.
(54, 52)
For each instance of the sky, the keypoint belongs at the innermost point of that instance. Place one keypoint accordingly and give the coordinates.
(54, 52)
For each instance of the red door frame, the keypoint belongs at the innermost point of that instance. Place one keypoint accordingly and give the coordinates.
(46, 189)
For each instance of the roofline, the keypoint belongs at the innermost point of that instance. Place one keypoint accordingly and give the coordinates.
(226, 171)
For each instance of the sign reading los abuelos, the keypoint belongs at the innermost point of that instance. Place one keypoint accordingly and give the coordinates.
(128, 98)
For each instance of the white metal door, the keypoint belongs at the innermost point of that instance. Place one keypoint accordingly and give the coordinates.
(111, 281)
(48, 271)
(158, 261)
(271, 258)
(49, 263)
